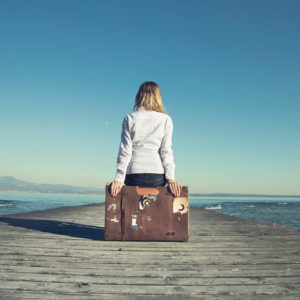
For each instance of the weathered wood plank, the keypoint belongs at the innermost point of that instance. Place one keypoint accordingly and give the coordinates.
(208, 271)
(79, 253)
(141, 252)
(13, 295)
(163, 279)
(164, 260)
(87, 287)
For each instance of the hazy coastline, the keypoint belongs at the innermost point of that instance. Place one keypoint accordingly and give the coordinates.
(13, 184)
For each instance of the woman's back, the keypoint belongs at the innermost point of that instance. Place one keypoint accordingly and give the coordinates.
(146, 144)
(150, 132)
(147, 128)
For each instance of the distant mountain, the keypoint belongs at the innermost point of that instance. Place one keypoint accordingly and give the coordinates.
(10, 183)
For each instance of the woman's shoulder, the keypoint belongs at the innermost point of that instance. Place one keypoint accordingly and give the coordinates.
(149, 112)
(138, 116)
(127, 119)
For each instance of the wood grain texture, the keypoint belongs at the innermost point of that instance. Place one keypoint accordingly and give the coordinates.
(61, 254)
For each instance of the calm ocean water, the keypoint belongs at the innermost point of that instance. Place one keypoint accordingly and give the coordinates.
(280, 210)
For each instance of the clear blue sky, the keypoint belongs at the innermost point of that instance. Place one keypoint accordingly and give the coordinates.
(229, 72)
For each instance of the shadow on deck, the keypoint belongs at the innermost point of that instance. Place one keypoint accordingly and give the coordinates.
(57, 227)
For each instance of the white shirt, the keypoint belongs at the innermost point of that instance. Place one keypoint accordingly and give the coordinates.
(145, 146)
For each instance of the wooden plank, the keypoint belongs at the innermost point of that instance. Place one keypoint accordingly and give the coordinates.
(13, 295)
(141, 255)
(87, 287)
(207, 271)
(6, 248)
(163, 279)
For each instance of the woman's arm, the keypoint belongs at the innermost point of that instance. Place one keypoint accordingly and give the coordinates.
(125, 152)
(167, 158)
(165, 151)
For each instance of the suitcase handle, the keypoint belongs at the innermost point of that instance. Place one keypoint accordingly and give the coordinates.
(147, 191)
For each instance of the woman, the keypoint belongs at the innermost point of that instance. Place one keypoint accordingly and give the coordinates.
(145, 155)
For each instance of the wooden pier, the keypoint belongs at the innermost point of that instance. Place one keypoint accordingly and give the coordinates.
(60, 254)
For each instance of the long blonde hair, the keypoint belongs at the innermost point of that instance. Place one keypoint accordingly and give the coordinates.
(149, 97)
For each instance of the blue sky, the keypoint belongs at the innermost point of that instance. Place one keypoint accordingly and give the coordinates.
(228, 73)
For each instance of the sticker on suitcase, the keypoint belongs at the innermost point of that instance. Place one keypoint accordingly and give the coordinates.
(146, 200)
(112, 206)
(133, 222)
(180, 204)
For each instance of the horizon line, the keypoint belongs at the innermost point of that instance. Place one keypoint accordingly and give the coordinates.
(190, 193)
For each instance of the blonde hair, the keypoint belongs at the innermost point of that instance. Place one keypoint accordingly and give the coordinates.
(149, 97)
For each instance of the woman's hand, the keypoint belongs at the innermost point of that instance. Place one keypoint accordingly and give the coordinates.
(175, 187)
(115, 188)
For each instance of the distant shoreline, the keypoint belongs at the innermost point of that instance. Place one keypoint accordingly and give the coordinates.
(13, 184)
(191, 194)
(241, 195)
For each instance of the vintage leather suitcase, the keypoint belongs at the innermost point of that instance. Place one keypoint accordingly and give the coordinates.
(146, 214)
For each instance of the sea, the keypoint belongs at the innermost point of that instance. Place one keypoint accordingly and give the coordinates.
(283, 210)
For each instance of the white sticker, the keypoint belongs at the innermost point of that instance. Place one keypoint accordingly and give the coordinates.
(180, 204)
(113, 206)
(133, 222)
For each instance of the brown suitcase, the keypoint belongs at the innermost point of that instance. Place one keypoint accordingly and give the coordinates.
(146, 214)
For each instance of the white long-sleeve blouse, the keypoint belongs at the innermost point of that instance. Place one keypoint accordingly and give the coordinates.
(146, 145)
